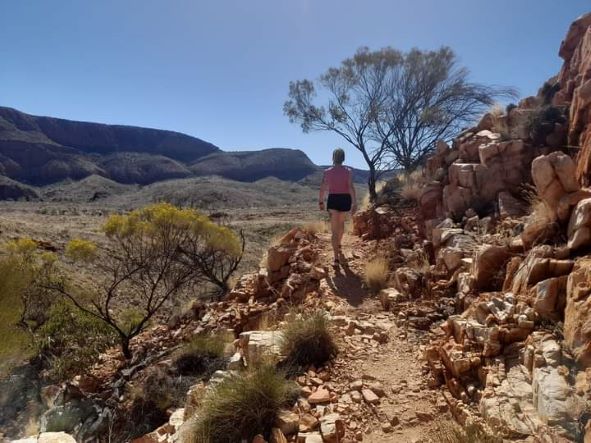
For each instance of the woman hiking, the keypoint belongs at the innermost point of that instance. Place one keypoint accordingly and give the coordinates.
(338, 181)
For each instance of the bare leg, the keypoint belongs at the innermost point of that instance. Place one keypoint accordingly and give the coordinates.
(334, 229)
(342, 218)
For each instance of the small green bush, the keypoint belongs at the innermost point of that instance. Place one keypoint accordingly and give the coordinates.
(242, 406)
(308, 341)
(71, 340)
(203, 354)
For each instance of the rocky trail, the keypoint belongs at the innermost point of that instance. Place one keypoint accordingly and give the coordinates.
(404, 407)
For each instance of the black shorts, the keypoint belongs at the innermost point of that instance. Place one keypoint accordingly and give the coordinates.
(339, 202)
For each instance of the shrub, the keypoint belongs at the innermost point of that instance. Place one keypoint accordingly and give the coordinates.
(242, 406)
(541, 122)
(377, 274)
(203, 354)
(153, 255)
(71, 340)
(308, 341)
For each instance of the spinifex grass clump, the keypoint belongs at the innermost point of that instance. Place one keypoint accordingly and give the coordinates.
(201, 355)
(242, 406)
(377, 274)
(308, 341)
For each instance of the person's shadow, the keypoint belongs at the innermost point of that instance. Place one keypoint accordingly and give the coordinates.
(347, 285)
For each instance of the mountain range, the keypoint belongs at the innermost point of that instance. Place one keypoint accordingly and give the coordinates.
(40, 151)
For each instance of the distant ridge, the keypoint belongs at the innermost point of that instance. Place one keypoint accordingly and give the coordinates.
(40, 151)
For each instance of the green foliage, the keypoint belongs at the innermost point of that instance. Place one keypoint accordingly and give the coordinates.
(15, 343)
(71, 340)
(203, 354)
(154, 254)
(541, 123)
(129, 319)
(242, 406)
(308, 341)
(81, 250)
(25, 303)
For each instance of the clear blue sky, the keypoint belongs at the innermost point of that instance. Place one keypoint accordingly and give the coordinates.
(219, 69)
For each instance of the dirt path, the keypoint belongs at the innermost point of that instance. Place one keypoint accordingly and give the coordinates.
(407, 409)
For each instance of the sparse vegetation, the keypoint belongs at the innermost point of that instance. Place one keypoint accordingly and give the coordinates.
(150, 259)
(450, 432)
(307, 340)
(377, 274)
(411, 185)
(315, 227)
(242, 406)
(203, 354)
(542, 122)
(392, 106)
(61, 342)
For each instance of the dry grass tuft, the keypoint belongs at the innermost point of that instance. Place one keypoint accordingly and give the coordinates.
(308, 341)
(201, 355)
(242, 406)
(315, 227)
(365, 202)
(377, 274)
(450, 432)
(412, 185)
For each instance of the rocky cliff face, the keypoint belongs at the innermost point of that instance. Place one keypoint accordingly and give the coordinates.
(517, 355)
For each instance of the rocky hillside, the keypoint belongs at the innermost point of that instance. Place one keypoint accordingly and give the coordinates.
(38, 151)
(285, 164)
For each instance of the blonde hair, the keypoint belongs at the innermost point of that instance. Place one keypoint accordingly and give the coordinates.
(338, 156)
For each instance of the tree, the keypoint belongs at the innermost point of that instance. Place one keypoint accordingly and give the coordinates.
(356, 95)
(143, 266)
(430, 99)
(391, 106)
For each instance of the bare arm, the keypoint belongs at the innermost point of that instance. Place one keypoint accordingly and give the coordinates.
(352, 192)
(322, 193)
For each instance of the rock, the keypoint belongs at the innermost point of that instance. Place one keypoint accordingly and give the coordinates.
(258, 345)
(389, 297)
(278, 256)
(550, 298)
(277, 436)
(408, 282)
(48, 437)
(577, 315)
(550, 396)
(489, 262)
(332, 428)
(307, 423)
(510, 206)
(554, 176)
(288, 422)
(369, 396)
(194, 397)
(321, 395)
(377, 388)
(537, 266)
(579, 226)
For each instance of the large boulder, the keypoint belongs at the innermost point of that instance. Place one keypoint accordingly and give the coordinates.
(489, 262)
(577, 315)
(554, 176)
(579, 226)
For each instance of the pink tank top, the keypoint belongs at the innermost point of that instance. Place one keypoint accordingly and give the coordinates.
(337, 179)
